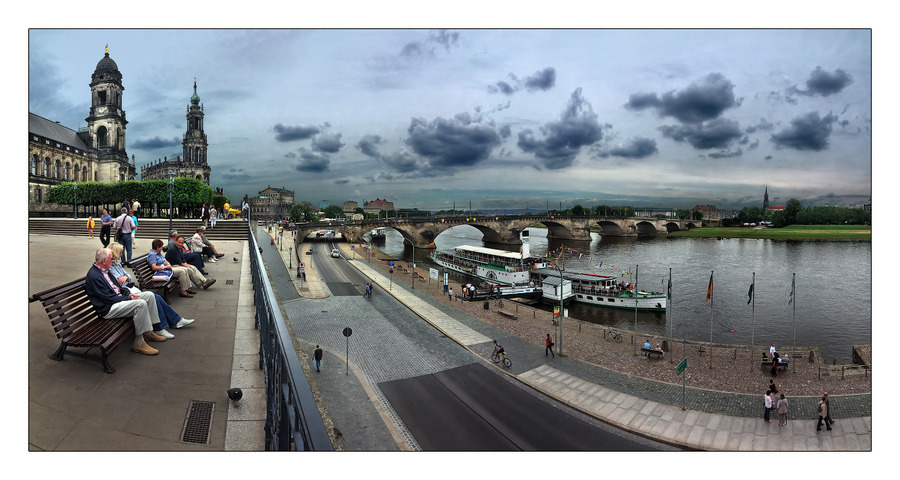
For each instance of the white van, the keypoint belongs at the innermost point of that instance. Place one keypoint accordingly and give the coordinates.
(335, 253)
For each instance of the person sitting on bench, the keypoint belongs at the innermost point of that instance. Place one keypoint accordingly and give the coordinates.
(110, 301)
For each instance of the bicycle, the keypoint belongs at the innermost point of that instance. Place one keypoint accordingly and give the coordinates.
(611, 335)
(506, 361)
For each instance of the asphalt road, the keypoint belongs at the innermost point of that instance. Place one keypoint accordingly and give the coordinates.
(469, 407)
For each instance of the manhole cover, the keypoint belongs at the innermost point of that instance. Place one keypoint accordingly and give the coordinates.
(198, 422)
(229, 282)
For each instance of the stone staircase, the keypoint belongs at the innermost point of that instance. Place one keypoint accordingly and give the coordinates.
(148, 228)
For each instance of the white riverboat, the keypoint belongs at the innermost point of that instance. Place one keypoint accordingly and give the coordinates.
(498, 267)
(604, 290)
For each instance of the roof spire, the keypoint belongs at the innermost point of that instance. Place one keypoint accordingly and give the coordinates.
(107, 49)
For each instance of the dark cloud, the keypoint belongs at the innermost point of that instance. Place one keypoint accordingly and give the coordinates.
(427, 47)
(809, 132)
(312, 162)
(718, 133)
(285, 133)
(342, 181)
(763, 124)
(328, 142)
(542, 80)
(727, 153)
(700, 101)
(234, 174)
(154, 143)
(824, 83)
(563, 139)
(460, 141)
(368, 145)
(637, 148)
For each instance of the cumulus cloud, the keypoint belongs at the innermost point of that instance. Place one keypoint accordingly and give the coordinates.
(312, 162)
(563, 139)
(541, 80)
(368, 145)
(824, 83)
(427, 47)
(327, 142)
(703, 100)
(154, 143)
(447, 143)
(637, 148)
(809, 132)
(716, 133)
(284, 133)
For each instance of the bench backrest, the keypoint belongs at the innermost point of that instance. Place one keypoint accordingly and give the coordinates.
(68, 306)
(141, 269)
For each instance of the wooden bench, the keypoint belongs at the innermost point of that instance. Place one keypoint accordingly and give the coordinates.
(649, 352)
(143, 274)
(77, 324)
(508, 314)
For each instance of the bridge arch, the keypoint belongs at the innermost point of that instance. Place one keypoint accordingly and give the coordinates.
(644, 228)
(610, 228)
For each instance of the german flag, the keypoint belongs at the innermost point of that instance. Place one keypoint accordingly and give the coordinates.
(710, 288)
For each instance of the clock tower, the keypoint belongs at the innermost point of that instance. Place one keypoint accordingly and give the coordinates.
(194, 144)
(106, 123)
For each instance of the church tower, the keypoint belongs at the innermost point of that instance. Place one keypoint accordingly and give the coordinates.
(106, 123)
(194, 144)
(766, 199)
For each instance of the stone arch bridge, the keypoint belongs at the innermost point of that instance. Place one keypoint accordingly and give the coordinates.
(503, 229)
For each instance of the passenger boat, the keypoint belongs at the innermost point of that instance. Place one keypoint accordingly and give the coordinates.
(604, 290)
(498, 267)
(377, 236)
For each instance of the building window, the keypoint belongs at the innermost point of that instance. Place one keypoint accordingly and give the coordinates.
(57, 170)
(35, 165)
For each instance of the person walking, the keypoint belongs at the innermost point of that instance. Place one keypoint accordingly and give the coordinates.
(782, 410)
(823, 413)
(106, 222)
(125, 223)
(548, 346)
(90, 227)
(828, 413)
(450, 293)
(317, 355)
(768, 403)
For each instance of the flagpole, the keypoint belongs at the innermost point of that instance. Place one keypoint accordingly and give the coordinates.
(752, 318)
(669, 320)
(794, 319)
(635, 292)
(711, 300)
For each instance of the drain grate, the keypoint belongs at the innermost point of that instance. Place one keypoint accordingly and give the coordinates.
(229, 282)
(198, 422)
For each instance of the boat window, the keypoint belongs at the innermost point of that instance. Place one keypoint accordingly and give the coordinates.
(590, 298)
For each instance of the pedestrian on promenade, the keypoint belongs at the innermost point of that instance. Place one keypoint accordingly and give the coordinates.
(823, 413)
(772, 353)
(782, 410)
(828, 410)
(772, 386)
(318, 356)
(90, 227)
(450, 293)
(768, 403)
(371, 289)
(368, 289)
(548, 343)
(106, 222)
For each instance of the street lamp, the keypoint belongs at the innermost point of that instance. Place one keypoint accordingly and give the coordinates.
(559, 336)
(413, 262)
(171, 175)
(76, 199)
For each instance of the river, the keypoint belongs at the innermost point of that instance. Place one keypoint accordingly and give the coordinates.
(832, 306)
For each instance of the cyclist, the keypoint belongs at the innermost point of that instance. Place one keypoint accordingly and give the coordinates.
(498, 349)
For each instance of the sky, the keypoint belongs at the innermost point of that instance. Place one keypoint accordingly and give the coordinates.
(498, 118)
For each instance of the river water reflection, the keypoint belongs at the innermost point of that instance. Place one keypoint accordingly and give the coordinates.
(833, 291)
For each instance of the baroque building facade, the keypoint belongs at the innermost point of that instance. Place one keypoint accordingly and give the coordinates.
(95, 153)
(193, 161)
(271, 204)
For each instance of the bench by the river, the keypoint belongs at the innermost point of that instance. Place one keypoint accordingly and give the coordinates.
(649, 352)
(77, 324)
(508, 314)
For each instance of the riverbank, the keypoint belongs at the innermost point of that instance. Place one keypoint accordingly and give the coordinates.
(861, 233)
(732, 368)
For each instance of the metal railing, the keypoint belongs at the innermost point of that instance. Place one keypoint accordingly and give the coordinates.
(293, 421)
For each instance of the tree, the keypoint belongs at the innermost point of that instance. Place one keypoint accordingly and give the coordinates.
(578, 211)
(334, 211)
(791, 209)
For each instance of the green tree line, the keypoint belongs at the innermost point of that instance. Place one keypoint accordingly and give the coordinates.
(187, 194)
(795, 213)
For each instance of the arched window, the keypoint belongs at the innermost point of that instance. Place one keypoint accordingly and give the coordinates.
(35, 165)
(57, 169)
(84, 174)
(102, 137)
(47, 167)
(75, 173)
(68, 172)
(38, 195)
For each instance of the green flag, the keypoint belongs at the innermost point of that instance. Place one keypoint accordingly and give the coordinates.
(750, 294)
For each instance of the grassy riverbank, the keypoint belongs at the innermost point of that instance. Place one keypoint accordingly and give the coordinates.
(793, 232)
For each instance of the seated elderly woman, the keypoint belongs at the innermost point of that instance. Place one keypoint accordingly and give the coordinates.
(167, 316)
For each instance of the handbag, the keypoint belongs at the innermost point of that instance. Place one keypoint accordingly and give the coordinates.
(162, 275)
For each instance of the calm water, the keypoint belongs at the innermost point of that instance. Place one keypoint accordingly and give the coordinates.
(833, 291)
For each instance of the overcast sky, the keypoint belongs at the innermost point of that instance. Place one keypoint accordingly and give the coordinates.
(502, 118)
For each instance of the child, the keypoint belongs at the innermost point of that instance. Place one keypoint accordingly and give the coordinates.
(90, 226)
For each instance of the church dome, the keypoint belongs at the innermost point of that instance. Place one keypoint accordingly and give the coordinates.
(106, 65)
(195, 99)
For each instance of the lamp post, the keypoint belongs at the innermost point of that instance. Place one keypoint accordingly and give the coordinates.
(559, 335)
(171, 177)
(413, 262)
(76, 199)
